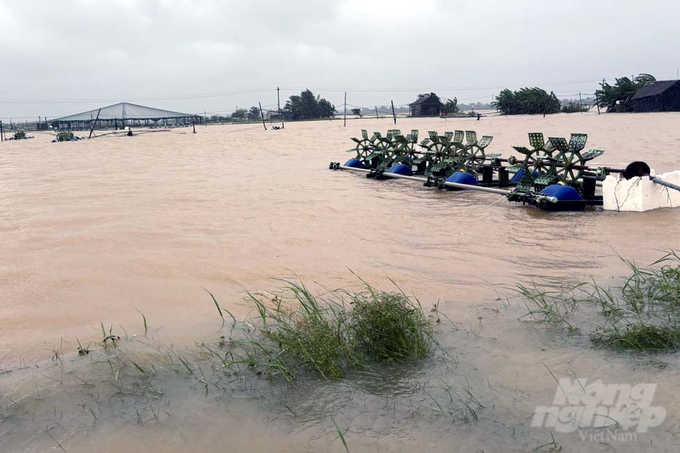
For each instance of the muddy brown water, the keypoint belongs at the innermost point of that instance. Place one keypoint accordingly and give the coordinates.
(93, 231)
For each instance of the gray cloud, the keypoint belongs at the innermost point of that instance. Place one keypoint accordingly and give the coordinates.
(149, 51)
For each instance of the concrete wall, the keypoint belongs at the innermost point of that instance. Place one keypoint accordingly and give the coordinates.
(640, 194)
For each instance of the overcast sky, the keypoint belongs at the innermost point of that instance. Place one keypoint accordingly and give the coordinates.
(59, 57)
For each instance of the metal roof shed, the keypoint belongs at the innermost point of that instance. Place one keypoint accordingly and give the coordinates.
(661, 96)
(124, 111)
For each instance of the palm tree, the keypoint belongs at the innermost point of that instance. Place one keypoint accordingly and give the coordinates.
(307, 106)
(254, 113)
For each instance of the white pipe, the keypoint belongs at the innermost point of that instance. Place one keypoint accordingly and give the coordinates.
(421, 179)
(661, 182)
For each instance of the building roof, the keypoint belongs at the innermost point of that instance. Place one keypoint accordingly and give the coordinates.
(422, 98)
(124, 110)
(654, 89)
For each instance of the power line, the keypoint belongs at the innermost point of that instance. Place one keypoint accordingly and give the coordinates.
(475, 88)
(181, 97)
(235, 93)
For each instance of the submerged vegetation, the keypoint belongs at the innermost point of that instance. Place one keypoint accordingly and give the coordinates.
(388, 327)
(65, 136)
(639, 336)
(295, 332)
(304, 356)
(641, 314)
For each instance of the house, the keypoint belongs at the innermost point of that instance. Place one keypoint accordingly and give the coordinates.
(273, 115)
(426, 105)
(660, 96)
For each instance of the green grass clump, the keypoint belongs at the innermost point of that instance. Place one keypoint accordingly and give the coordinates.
(311, 336)
(316, 343)
(20, 135)
(639, 337)
(389, 327)
(295, 332)
(654, 287)
(553, 306)
(643, 313)
(64, 136)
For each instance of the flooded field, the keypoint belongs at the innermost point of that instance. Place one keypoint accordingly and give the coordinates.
(94, 233)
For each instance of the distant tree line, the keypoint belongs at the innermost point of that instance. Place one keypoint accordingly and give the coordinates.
(574, 106)
(253, 114)
(475, 106)
(239, 114)
(306, 106)
(616, 97)
(385, 110)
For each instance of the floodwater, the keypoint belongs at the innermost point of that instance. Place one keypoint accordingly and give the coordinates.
(97, 231)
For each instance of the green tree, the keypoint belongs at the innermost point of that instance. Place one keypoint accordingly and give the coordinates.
(325, 109)
(450, 106)
(574, 107)
(306, 106)
(239, 114)
(622, 90)
(526, 101)
(254, 113)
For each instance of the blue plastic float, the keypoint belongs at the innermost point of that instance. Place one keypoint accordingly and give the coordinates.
(562, 193)
(354, 163)
(400, 169)
(460, 177)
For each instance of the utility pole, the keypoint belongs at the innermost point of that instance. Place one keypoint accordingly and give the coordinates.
(2, 133)
(580, 100)
(205, 118)
(597, 100)
(278, 98)
(394, 115)
(344, 123)
(94, 124)
(376, 113)
(262, 115)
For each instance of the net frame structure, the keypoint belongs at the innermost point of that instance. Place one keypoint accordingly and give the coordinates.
(125, 114)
